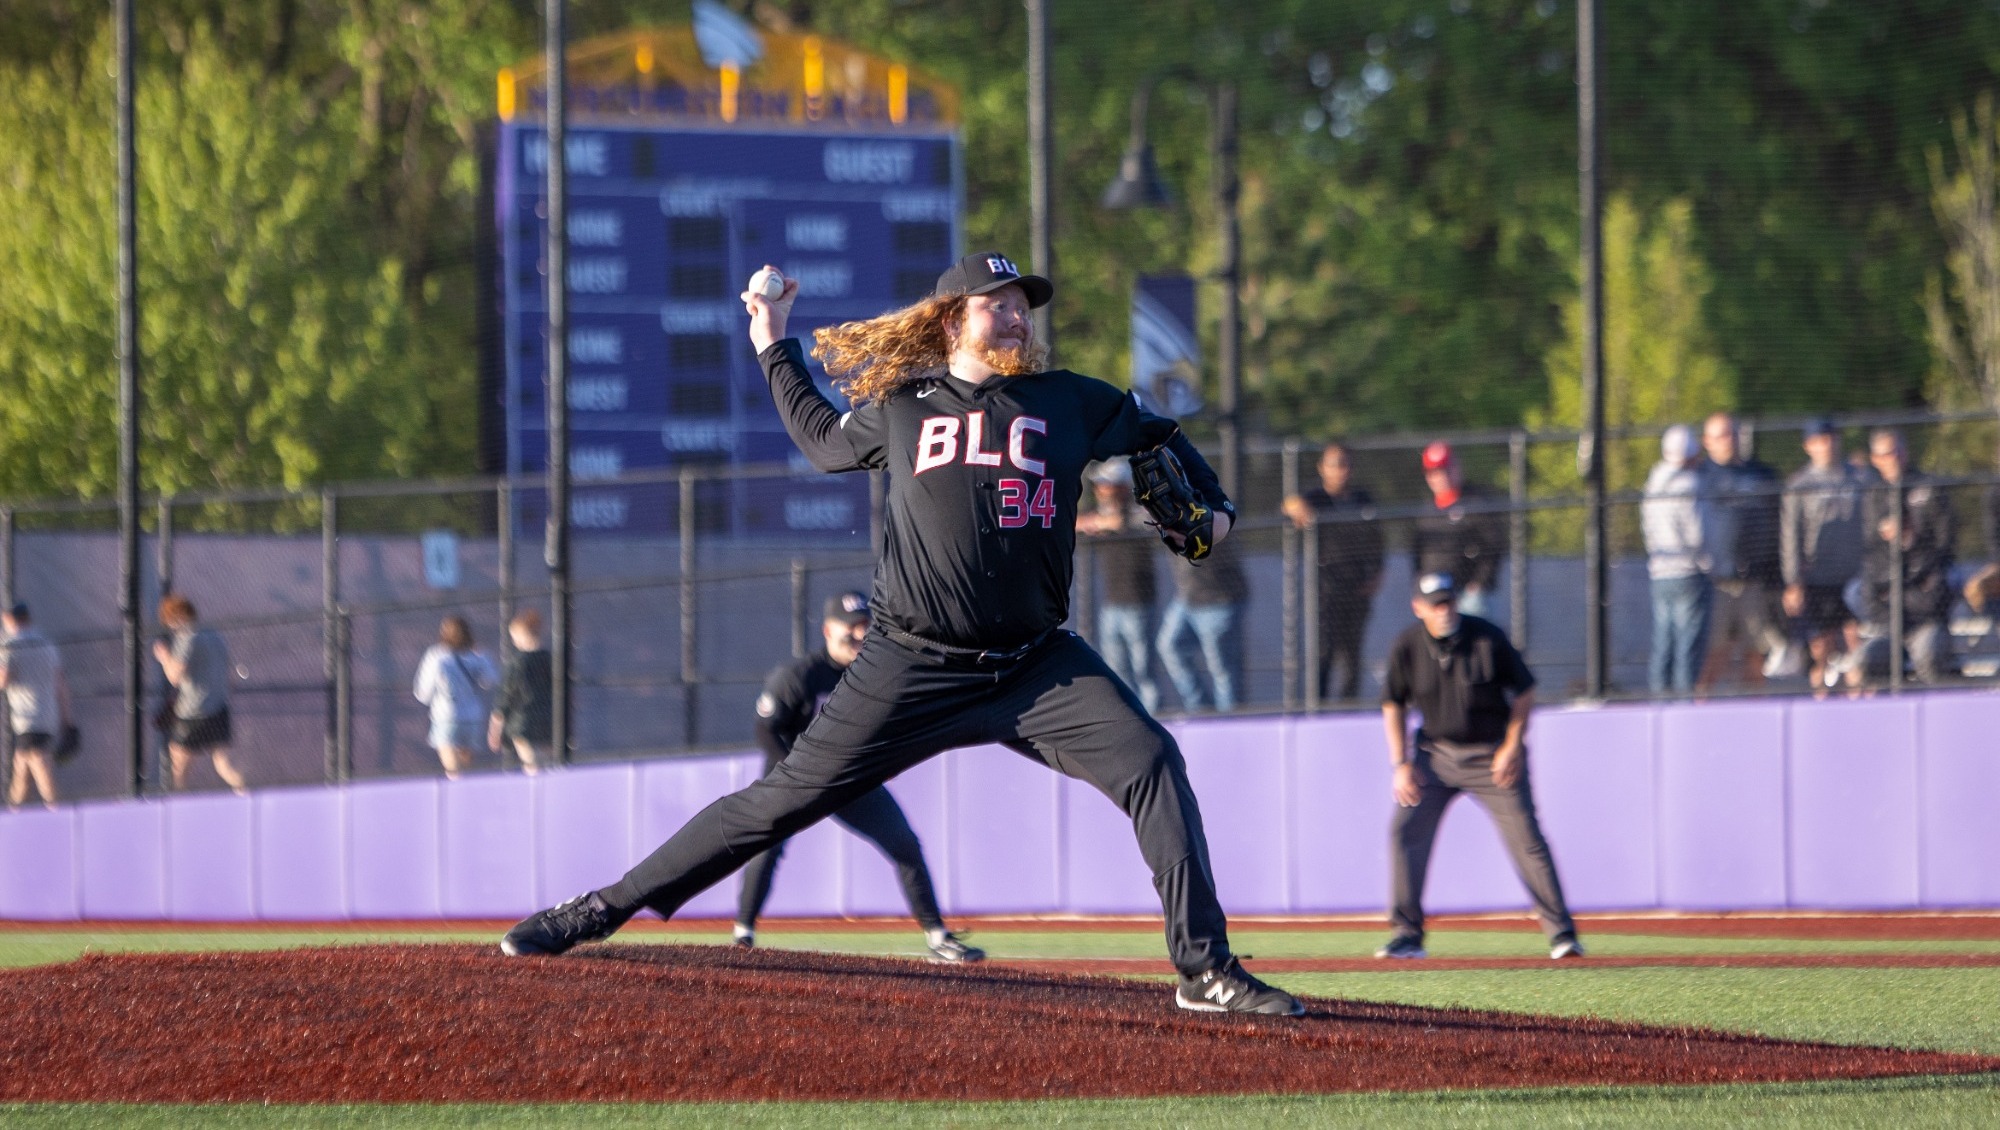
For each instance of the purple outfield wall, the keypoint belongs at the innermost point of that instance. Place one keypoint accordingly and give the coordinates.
(1871, 804)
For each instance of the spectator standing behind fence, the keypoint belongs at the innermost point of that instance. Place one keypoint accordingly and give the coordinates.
(1678, 520)
(524, 710)
(1350, 566)
(1124, 555)
(1454, 539)
(196, 663)
(1820, 543)
(1208, 601)
(453, 680)
(1475, 692)
(1747, 640)
(37, 704)
(1928, 529)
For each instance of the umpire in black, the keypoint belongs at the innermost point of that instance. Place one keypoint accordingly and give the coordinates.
(792, 695)
(1475, 692)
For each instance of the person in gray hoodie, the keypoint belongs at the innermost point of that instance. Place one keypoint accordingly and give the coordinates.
(1820, 540)
(1680, 522)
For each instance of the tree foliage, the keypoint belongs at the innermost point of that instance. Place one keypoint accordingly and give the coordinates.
(1408, 204)
(1962, 299)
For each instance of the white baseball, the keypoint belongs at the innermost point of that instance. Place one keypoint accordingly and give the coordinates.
(768, 283)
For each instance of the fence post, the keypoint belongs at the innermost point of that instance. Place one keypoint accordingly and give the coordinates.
(343, 695)
(1310, 660)
(800, 636)
(1896, 625)
(1288, 585)
(689, 653)
(163, 566)
(503, 502)
(329, 599)
(1517, 539)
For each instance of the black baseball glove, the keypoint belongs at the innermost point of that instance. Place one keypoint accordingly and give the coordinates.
(1185, 522)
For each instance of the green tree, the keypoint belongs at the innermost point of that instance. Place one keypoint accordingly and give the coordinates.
(270, 355)
(1661, 363)
(1962, 300)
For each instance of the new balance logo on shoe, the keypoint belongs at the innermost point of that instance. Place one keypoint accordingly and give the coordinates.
(1227, 988)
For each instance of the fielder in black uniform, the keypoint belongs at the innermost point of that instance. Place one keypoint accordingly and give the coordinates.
(792, 695)
(985, 453)
(1475, 692)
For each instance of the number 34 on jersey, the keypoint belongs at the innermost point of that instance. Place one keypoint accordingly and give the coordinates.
(938, 445)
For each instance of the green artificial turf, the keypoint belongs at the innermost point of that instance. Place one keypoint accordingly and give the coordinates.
(1821, 1106)
(1944, 1009)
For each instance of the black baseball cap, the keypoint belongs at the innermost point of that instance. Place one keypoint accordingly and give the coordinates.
(1819, 427)
(1435, 588)
(985, 271)
(850, 608)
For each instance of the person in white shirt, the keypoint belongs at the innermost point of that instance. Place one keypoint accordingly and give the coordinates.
(454, 681)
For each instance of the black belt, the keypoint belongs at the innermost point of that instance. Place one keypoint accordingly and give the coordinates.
(966, 654)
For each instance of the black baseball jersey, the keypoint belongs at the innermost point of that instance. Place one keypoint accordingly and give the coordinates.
(792, 695)
(978, 541)
(1465, 683)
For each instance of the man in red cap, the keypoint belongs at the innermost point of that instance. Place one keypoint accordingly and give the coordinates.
(1460, 535)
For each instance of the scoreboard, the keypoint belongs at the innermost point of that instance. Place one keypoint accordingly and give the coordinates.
(665, 226)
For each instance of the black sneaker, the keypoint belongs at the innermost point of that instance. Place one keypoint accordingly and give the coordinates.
(1403, 947)
(584, 918)
(1227, 988)
(948, 949)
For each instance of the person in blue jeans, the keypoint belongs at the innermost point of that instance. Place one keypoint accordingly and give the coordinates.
(1206, 604)
(1679, 520)
(1125, 552)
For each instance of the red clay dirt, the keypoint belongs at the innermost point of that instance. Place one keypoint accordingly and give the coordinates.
(459, 1023)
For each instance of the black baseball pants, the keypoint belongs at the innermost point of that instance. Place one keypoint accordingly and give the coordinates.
(897, 706)
(1444, 771)
(876, 817)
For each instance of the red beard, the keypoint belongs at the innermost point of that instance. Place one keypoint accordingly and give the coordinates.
(1015, 360)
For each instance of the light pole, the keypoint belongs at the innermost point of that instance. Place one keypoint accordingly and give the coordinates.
(1590, 455)
(556, 536)
(1139, 185)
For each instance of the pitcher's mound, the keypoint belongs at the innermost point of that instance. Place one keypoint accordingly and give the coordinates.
(460, 1023)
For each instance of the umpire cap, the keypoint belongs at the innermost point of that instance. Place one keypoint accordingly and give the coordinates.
(849, 608)
(1435, 588)
(985, 271)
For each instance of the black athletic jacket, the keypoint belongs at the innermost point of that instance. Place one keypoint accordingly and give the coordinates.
(978, 542)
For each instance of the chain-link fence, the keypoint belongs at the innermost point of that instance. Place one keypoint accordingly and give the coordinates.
(327, 602)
